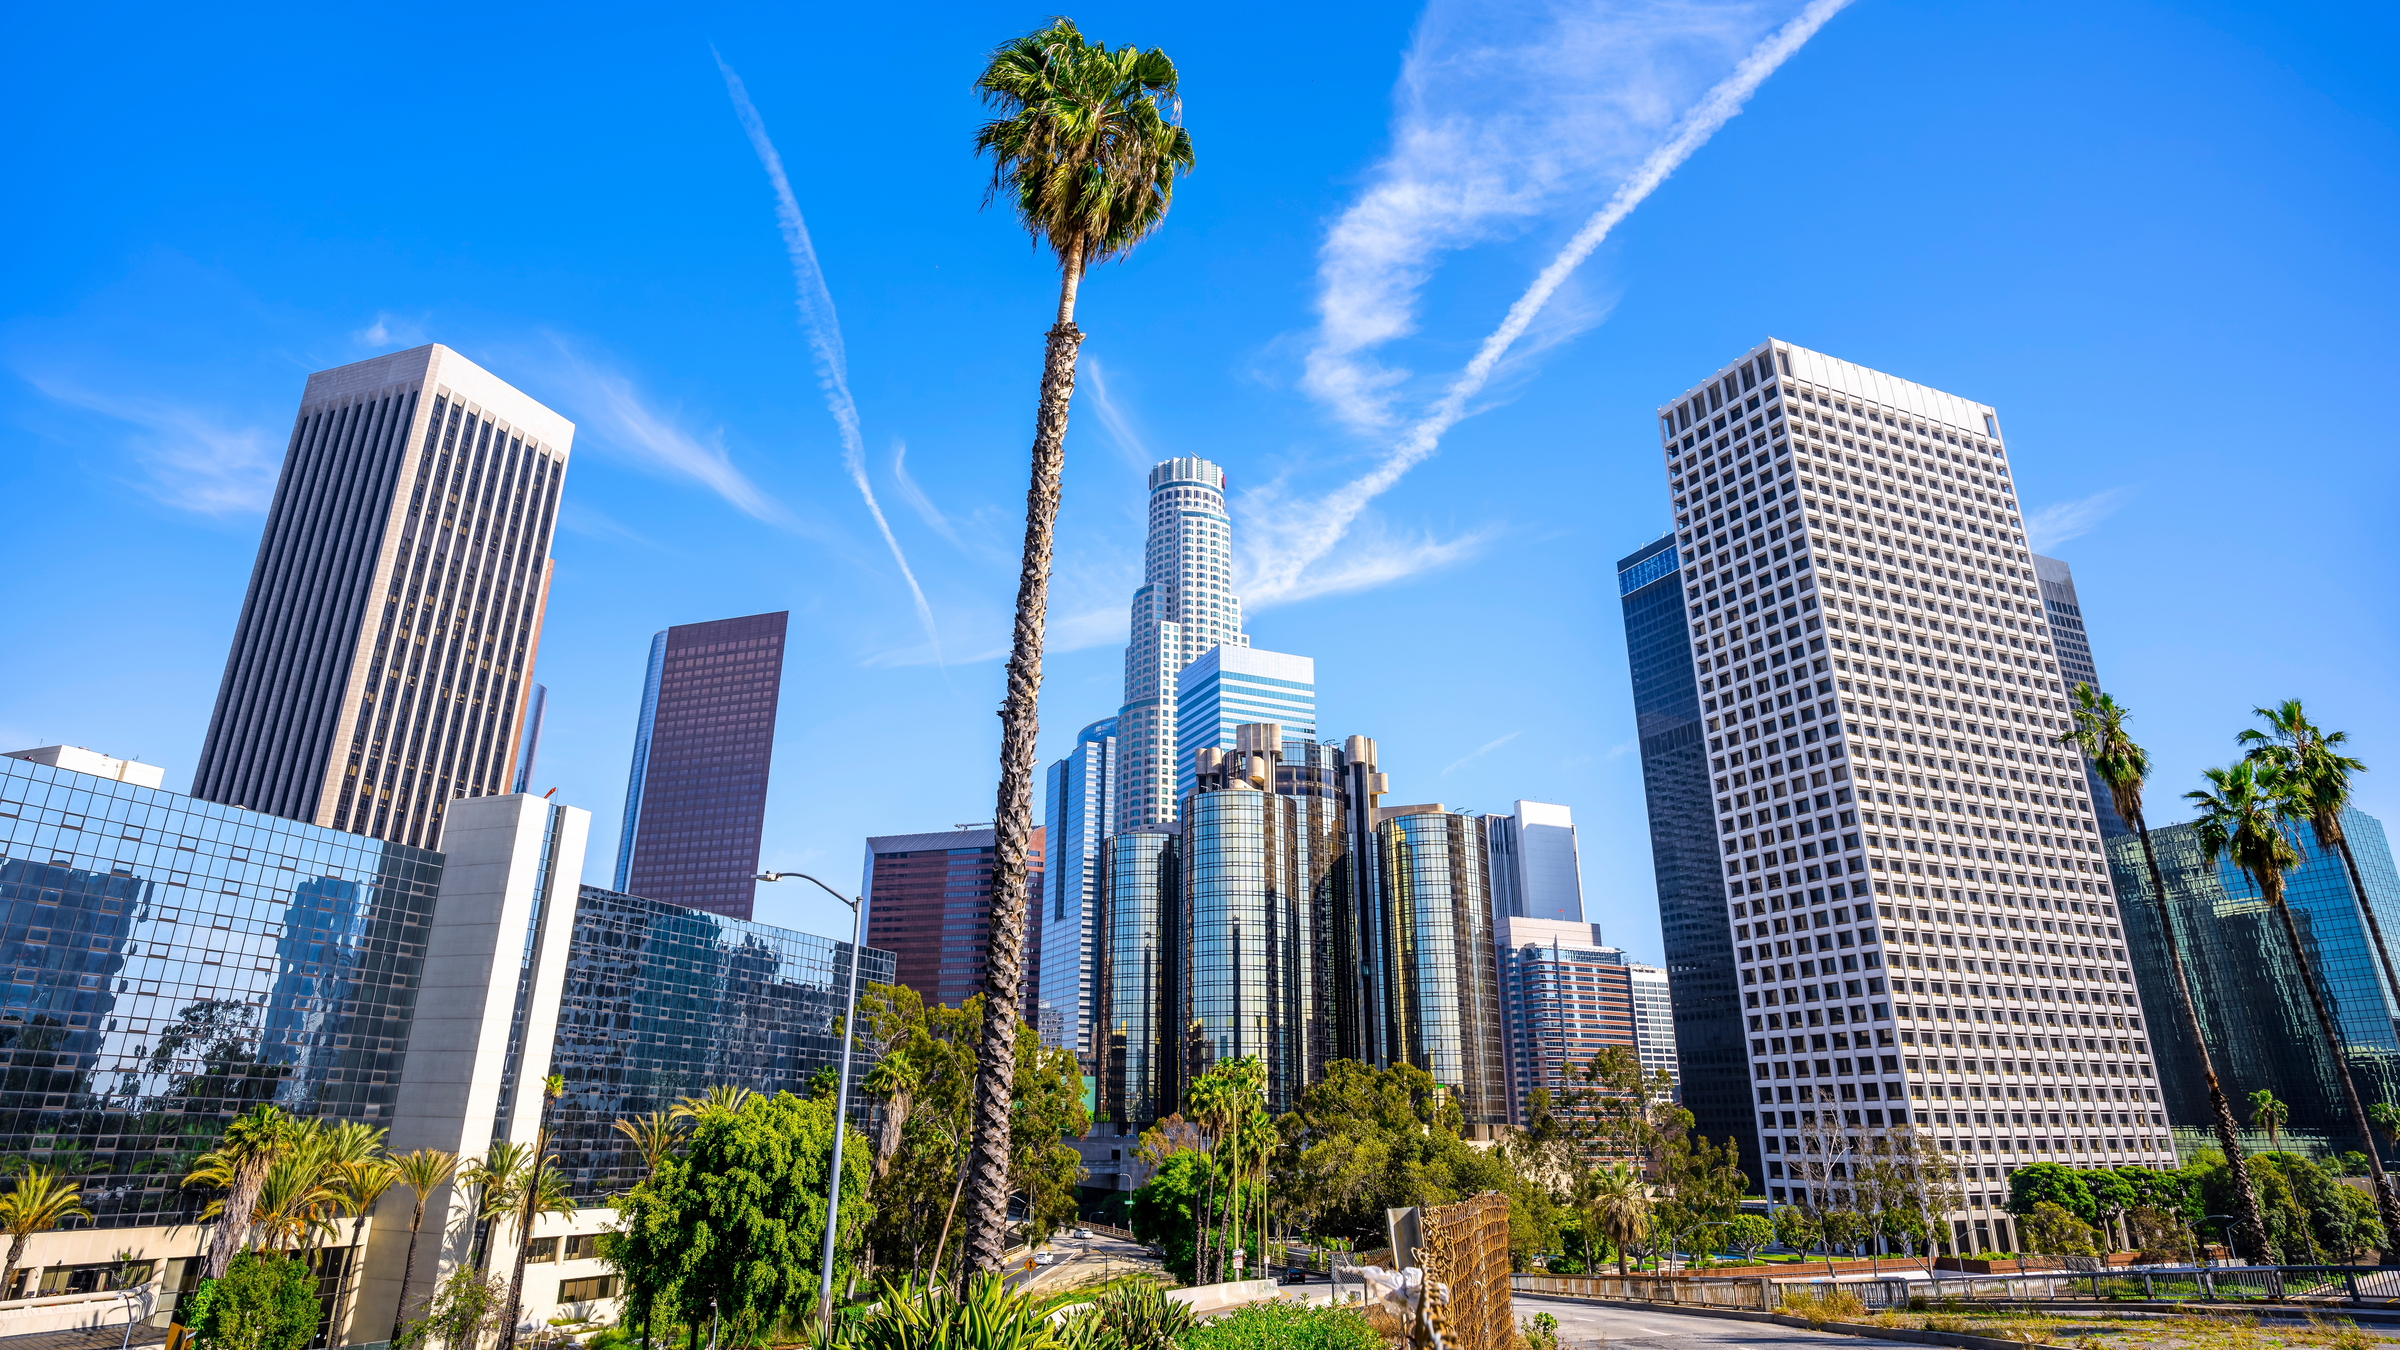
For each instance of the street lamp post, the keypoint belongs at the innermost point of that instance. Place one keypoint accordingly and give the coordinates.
(841, 1096)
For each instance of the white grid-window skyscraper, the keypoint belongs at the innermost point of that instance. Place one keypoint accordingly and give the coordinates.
(1185, 607)
(1920, 910)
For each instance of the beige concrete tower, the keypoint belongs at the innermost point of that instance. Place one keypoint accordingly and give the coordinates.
(381, 664)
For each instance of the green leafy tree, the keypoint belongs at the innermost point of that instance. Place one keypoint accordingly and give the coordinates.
(264, 1301)
(1748, 1233)
(462, 1312)
(2051, 1184)
(738, 1220)
(2124, 766)
(2243, 816)
(2053, 1230)
(1798, 1228)
(1086, 148)
(2112, 1195)
(1166, 1211)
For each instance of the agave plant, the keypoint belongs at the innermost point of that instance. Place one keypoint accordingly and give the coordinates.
(986, 1315)
(1128, 1317)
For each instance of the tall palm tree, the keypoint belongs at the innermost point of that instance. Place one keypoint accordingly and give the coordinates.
(239, 1164)
(425, 1171)
(300, 1195)
(2243, 819)
(2317, 774)
(1616, 1203)
(364, 1183)
(530, 1198)
(2270, 1115)
(495, 1177)
(1087, 150)
(40, 1201)
(653, 1136)
(716, 1097)
(2121, 763)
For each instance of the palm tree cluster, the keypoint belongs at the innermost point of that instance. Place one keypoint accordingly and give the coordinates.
(285, 1184)
(1228, 1103)
(2293, 775)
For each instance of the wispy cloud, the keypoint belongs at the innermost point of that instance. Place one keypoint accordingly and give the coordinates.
(916, 498)
(1489, 135)
(390, 332)
(192, 458)
(824, 330)
(612, 410)
(2056, 524)
(575, 517)
(1128, 440)
(1373, 555)
(1478, 752)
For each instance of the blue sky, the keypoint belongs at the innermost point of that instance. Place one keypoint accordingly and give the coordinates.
(2157, 237)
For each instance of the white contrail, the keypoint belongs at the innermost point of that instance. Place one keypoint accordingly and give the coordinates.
(824, 331)
(1713, 111)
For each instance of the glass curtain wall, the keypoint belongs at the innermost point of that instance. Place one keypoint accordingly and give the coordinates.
(1245, 952)
(1138, 887)
(1441, 961)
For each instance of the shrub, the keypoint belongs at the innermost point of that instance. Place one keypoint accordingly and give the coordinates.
(1284, 1326)
(1540, 1332)
(1128, 1317)
(266, 1301)
(1835, 1304)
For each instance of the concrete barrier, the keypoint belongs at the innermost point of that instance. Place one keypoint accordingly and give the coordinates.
(1209, 1298)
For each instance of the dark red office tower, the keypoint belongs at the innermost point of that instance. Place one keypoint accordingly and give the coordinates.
(929, 900)
(697, 797)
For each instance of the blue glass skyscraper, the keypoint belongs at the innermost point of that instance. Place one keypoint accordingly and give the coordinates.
(1683, 843)
(1080, 812)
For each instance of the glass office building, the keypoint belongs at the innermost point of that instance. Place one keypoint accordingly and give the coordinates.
(1683, 843)
(1079, 811)
(2254, 1010)
(1138, 887)
(1244, 939)
(662, 1001)
(173, 962)
(1443, 981)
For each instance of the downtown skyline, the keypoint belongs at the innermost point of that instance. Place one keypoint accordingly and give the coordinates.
(154, 367)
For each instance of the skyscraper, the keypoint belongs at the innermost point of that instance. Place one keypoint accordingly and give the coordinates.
(2254, 1008)
(1863, 618)
(1536, 872)
(1442, 986)
(1080, 812)
(1225, 687)
(1564, 997)
(1654, 1020)
(2064, 610)
(1185, 607)
(1683, 842)
(379, 667)
(929, 902)
(696, 801)
(529, 738)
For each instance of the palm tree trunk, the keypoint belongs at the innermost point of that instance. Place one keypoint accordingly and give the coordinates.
(2250, 1227)
(2358, 890)
(408, 1269)
(987, 1206)
(233, 1226)
(16, 1253)
(942, 1244)
(2386, 1203)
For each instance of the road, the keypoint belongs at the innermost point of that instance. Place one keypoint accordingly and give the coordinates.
(1083, 1261)
(1583, 1324)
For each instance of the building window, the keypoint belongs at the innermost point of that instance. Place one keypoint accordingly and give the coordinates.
(586, 1290)
(541, 1249)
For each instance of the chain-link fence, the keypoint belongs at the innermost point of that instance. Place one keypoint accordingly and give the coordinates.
(1472, 1237)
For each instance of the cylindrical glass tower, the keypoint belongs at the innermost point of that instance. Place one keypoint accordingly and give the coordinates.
(1444, 987)
(1137, 900)
(1246, 951)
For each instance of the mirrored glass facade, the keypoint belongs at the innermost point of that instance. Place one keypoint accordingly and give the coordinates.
(171, 962)
(1683, 843)
(1444, 980)
(2254, 1011)
(1138, 888)
(1246, 925)
(662, 1002)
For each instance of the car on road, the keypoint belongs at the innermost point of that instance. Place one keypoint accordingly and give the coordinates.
(1084, 1233)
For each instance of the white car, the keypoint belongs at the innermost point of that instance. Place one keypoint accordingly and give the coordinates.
(1084, 1233)
(1043, 1257)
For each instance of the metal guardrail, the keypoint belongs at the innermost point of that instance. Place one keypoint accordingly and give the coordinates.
(2164, 1284)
